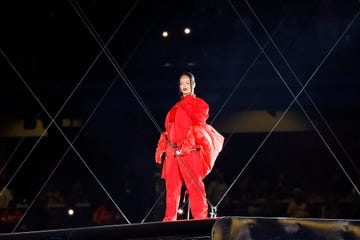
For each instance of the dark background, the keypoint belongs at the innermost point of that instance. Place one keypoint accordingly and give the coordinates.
(48, 52)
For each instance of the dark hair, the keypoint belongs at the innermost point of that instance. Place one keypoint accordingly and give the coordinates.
(190, 75)
(192, 79)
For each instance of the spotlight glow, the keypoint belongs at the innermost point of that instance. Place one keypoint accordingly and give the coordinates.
(187, 31)
(180, 211)
(70, 212)
(165, 34)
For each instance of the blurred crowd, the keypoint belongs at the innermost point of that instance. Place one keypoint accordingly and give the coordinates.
(248, 196)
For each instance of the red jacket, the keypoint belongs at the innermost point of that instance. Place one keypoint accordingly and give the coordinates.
(186, 130)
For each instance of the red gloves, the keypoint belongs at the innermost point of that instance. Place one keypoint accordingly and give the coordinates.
(184, 149)
(188, 144)
(161, 147)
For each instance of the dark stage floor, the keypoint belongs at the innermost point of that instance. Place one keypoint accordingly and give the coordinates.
(217, 228)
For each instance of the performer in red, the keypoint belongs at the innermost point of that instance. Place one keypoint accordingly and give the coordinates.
(188, 149)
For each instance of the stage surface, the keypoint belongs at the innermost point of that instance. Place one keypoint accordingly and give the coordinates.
(221, 228)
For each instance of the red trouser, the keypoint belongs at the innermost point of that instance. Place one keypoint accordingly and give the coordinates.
(178, 174)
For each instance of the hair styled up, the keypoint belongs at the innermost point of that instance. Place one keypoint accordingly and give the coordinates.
(192, 81)
(190, 75)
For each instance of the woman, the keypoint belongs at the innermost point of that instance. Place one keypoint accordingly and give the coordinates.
(189, 148)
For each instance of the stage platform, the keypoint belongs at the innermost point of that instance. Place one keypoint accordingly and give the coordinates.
(182, 229)
(222, 228)
(257, 228)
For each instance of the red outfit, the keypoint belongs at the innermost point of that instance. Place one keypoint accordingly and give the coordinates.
(10, 216)
(199, 143)
(103, 215)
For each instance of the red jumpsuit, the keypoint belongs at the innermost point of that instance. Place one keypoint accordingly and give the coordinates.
(200, 144)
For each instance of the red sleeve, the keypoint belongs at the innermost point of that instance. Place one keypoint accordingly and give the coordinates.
(161, 147)
(211, 143)
(200, 112)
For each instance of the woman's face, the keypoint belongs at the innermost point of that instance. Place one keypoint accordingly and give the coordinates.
(185, 85)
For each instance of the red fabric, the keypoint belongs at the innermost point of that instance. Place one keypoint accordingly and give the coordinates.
(195, 187)
(211, 143)
(103, 215)
(161, 147)
(189, 132)
(200, 144)
(10, 216)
